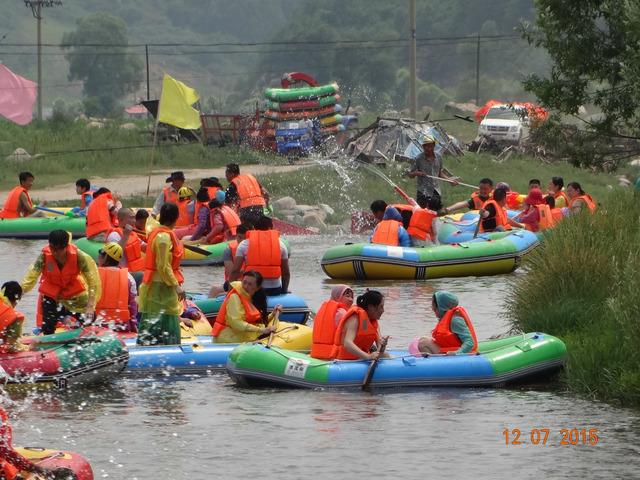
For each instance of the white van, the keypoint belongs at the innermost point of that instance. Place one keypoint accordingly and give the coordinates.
(505, 123)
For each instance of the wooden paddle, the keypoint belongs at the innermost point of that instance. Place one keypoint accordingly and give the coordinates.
(374, 364)
(193, 248)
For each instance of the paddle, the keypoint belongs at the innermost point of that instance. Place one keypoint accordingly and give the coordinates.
(374, 364)
(377, 171)
(274, 324)
(51, 210)
(475, 232)
(193, 248)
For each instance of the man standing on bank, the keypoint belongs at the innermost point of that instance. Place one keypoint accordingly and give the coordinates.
(427, 165)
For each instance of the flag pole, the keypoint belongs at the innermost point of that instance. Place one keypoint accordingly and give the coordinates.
(155, 141)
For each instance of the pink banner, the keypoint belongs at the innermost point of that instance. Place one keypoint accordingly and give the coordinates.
(17, 96)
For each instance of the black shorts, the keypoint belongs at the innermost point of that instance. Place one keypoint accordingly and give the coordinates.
(434, 202)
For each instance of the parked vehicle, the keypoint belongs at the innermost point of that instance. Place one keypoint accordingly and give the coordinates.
(505, 123)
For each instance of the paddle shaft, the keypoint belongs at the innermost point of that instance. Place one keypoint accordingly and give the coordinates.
(398, 190)
(374, 363)
(51, 210)
(475, 232)
(274, 324)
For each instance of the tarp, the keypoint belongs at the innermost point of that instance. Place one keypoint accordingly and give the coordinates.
(17, 96)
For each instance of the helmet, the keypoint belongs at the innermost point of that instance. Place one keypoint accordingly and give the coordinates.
(220, 196)
(113, 250)
(185, 192)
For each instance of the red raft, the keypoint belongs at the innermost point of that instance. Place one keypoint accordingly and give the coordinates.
(56, 459)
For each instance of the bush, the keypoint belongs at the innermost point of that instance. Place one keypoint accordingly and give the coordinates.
(584, 286)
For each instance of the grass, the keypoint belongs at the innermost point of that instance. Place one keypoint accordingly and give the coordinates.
(584, 286)
(71, 151)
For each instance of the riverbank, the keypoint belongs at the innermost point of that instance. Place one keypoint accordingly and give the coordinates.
(583, 286)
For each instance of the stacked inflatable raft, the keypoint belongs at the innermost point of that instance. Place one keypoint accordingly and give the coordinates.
(490, 255)
(497, 363)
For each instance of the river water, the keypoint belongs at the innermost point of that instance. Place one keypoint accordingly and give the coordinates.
(204, 428)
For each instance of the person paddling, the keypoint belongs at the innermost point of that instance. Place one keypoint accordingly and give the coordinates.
(478, 198)
(18, 203)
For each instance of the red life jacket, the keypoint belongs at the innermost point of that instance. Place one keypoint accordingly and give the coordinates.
(114, 302)
(586, 198)
(10, 208)
(231, 219)
(83, 198)
(386, 233)
(132, 250)
(501, 216)
(99, 218)
(170, 195)
(184, 217)
(263, 254)
(477, 201)
(177, 252)
(366, 334)
(249, 191)
(445, 338)
(61, 284)
(251, 314)
(9, 471)
(513, 199)
(324, 330)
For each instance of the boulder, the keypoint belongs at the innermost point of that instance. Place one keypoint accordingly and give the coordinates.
(635, 163)
(304, 208)
(95, 125)
(128, 126)
(326, 208)
(313, 229)
(286, 213)
(312, 219)
(285, 203)
(321, 213)
(19, 155)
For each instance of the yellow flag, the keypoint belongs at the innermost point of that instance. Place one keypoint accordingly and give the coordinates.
(175, 104)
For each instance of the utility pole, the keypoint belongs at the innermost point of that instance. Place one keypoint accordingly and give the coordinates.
(478, 71)
(146, 53)
(36, 8)
(412, 60)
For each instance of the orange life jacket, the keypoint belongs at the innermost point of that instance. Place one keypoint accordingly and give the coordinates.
(10, 208)
(170, 195)
(7, 316)
(324, 330)
(386, 233)
(513, 199)
(501, 216)
(233, 246)
(212, 192)
(83, 198)
(263, 254)
(231, 218)
(61, 284)
(586, 198)
(251, 314)
(547, 219)
(177, 252)
(366, 334)
(477, 201)
(132, 250)
(421, 223)
(557, 214)
(99, 218)
(249, 191)
(445, 338)
(10, 472)
(114, 302)
(184, 218)
(562, 194)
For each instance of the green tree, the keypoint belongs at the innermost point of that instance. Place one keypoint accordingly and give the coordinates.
(109, 71)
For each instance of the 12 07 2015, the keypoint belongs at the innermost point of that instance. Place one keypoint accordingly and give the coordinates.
(547, 436)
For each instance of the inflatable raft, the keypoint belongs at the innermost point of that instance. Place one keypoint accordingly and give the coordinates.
(200, 355)
(498, 362)
(56, 459)
(190, 258)
(289, 116)
(479, 257)
(305, 93)
(75, 357)
(40, 227)
(303, 104)
(294, 308)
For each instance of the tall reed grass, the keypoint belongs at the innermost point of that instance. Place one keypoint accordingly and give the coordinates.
(583, 285)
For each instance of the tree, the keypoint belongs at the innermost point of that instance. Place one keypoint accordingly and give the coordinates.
(108, 72)
(593, 46)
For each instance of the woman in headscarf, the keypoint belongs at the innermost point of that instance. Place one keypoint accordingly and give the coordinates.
(327, 319)
(454, 334)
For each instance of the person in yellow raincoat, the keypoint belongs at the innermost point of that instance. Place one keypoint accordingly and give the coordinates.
(161, 290)
(69, 282)
(238, 319)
